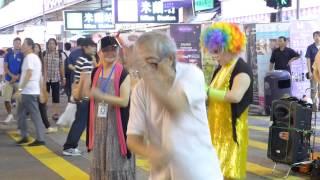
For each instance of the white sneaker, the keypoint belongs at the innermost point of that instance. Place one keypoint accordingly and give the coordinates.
(72, 152)
(52, 130)
(9, 118)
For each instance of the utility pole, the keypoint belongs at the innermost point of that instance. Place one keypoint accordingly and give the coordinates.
(279, 14)
(298, 9)
(44, 21)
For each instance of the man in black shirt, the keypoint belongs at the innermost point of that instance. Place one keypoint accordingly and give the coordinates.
(311, 53)
(283, 56)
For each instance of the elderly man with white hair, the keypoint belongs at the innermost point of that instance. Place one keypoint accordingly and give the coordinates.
(168, 108)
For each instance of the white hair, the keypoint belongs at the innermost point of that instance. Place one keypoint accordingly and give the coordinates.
(160, 43)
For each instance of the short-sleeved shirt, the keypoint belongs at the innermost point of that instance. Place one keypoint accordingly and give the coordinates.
(281, 58)
(186, 137)
(83, 65)
(14, 62)
(54, 62)
(73, 57)
(32, 62)
(312, 51)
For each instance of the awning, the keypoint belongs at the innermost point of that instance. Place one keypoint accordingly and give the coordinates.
(203, 17)
(28, 10)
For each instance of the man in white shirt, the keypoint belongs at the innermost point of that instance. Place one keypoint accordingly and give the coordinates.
(28, 94)
(168, 108)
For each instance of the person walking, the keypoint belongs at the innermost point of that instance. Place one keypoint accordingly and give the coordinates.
(12, 69)
(54, 74)
(43, 99)
(28, 95)
(81, 93)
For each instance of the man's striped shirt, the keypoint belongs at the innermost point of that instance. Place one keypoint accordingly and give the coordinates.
(83, 65)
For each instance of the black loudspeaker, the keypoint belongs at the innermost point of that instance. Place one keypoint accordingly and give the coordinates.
(289, 134)
(291, 113)
(277, 84)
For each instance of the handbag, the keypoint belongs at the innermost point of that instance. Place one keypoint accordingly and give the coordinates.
(44, 95)
(67, 117)
(81, 88)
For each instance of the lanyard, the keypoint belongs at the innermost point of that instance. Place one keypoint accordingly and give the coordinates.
(104, 84)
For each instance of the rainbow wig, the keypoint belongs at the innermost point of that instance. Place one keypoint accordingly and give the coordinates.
(223, 35)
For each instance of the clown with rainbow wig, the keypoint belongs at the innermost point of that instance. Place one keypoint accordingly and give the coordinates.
(229, 96)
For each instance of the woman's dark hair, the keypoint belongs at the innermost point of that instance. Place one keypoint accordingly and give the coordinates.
(54, 40)
(97, 58)
(40, 52)
(67, 46)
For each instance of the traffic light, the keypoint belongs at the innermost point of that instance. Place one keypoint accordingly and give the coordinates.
(278, 3)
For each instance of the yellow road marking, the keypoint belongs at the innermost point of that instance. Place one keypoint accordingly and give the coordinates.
(258, 145)
(140, 162)
(264, 118)
(54, 162)
(257, 128)
(251, 167)
(267, 172)
(258, 170)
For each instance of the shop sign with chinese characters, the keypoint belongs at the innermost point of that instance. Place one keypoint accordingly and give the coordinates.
(145, 11)
(89, 20)
(153, 11)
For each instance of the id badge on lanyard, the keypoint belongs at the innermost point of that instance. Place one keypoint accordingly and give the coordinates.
(103, 107)
(102, 110)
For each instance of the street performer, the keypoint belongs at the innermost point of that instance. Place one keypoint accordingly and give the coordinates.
(229, 96)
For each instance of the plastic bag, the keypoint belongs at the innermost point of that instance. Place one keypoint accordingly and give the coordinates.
(67, 117)
(2, 84)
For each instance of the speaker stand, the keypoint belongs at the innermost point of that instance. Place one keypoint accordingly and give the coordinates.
(287, 174)
(274, 168)
(291, 166)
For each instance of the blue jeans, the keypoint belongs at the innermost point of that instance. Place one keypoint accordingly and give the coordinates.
(78, 126)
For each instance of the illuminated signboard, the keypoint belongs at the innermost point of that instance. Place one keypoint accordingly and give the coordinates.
(203, 5)
(145, 11)
(89, 20)
(177, 3)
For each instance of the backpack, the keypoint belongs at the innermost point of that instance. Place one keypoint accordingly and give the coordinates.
(67, 71)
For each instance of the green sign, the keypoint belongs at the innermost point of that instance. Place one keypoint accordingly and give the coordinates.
(202, 5)
(283, 2)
